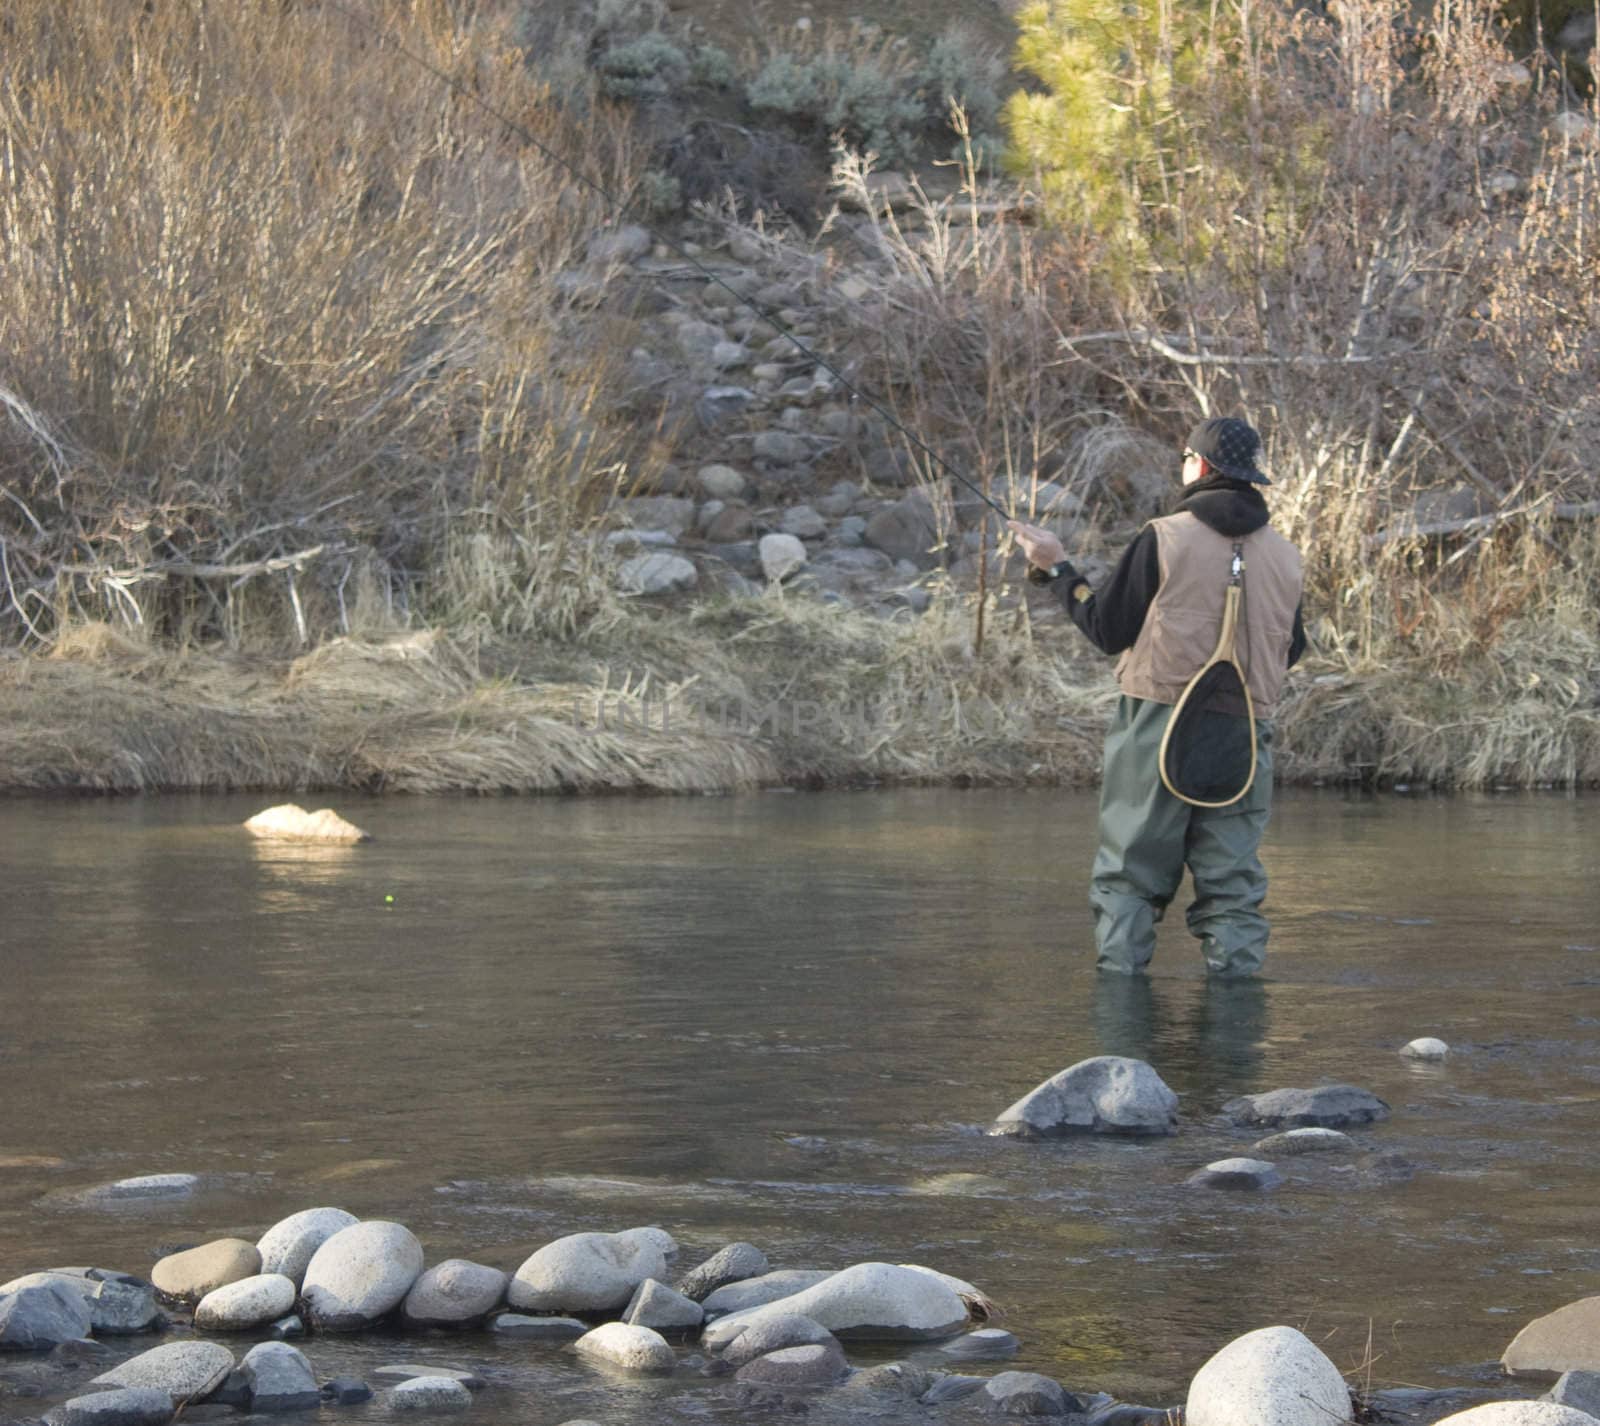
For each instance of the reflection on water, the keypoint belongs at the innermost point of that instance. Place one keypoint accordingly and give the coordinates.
(787, 1019)
(1217, 1031)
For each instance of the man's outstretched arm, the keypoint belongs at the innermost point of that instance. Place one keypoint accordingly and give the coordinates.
(1110, 619)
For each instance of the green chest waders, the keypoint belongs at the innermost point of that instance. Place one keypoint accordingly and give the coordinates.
(1208, 752)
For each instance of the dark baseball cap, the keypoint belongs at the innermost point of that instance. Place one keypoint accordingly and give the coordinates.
(1229, 445)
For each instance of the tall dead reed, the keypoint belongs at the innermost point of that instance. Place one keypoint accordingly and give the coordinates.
(280, 320)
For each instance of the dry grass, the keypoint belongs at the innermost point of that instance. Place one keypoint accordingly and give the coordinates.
(769, 691)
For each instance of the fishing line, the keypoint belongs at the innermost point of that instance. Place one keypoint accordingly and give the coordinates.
(621, 208)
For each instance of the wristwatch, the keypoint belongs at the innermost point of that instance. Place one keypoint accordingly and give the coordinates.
(1037, 575)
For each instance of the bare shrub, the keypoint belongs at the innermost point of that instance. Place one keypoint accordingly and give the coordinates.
(279, 305)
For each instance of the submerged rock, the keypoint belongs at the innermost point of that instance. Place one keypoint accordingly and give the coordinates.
(154, 1185)
(1328, 1106)
(1303, 1141)
(954, 1387)
(1566, 1340)
(1274, 1376)
(410, 1371)
(292, 823)
(1108, 1094)
(986, 1344)
(1236, 1173)
(537, 1329)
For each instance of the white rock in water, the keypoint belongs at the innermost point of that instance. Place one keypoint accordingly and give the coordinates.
(1520, 1413)
(781, 555)
(1107, 1094)
(248, 1303)
(586, 1272)
(874, 1300)
(288, 1246)
(190, 1275)
(1566, 1340)
(294, 824)
(1426, 1048)
(1275, 1376)
(184, 1370)
(152, 1185)
(635, 1349)
(454, 1291)
(361, 1273)
(430, 1393)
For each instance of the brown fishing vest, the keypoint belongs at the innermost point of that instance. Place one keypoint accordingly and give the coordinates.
(1185, 618)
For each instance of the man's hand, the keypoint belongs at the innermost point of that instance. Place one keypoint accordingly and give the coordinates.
(1040, 546)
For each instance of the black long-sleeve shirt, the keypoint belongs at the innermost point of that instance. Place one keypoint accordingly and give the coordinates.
(1111, 617)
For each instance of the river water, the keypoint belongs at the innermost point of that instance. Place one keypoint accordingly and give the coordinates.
(788, 1019)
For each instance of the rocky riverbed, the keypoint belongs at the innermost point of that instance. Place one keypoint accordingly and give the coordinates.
(755, 1336)
(779, 472)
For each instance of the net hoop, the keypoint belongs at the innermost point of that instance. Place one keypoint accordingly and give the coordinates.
(1224, 653)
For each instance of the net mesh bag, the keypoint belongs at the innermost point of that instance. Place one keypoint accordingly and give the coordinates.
(1208, 756)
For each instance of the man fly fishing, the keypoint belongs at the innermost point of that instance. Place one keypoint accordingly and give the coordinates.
(1188, 759)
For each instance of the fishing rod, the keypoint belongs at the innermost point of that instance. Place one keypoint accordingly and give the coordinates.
(619, 207)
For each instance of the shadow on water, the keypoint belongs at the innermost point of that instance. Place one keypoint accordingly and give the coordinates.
(788, 1019)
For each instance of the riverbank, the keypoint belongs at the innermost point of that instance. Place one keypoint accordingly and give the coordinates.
(671, 487)
(721, 695)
